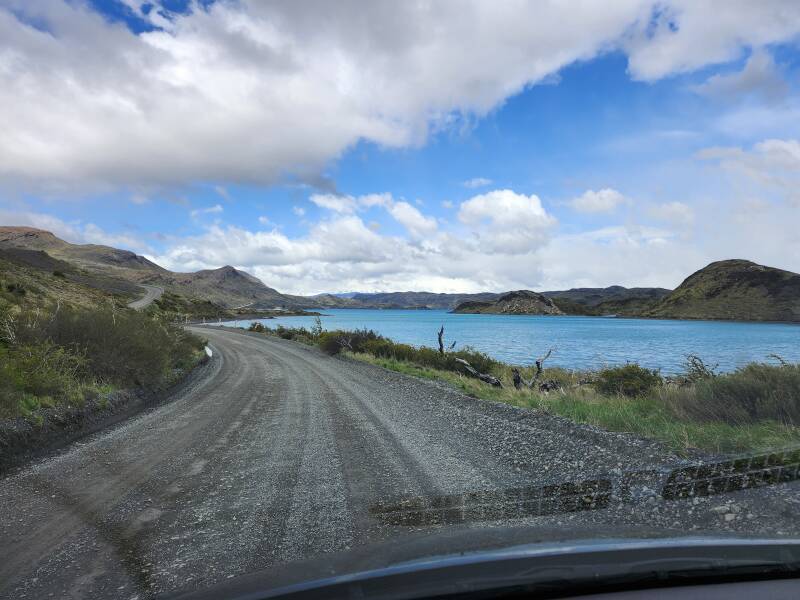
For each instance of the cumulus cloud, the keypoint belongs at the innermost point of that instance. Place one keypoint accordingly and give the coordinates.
(250, 91)
(505, 221)
(476, 182)
(299, 211)
(417, 224)
(601, 201)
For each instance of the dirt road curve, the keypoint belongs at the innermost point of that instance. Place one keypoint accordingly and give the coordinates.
(275, 452)
(152, 293)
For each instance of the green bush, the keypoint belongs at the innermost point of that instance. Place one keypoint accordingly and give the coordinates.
(752, 393)
(67, 355)
(34, 375)
(369, 342)
(257, 327)
(333, 342)
(630, 380)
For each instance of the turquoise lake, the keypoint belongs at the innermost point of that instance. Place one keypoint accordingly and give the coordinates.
(579, 342)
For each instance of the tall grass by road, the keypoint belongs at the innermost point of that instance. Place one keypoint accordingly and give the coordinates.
(753, 408)
(67, 355)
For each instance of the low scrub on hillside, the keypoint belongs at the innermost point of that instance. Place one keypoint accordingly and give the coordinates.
(68, 355)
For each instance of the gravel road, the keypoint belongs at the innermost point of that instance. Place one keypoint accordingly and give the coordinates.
(152, 293)
(273, 452)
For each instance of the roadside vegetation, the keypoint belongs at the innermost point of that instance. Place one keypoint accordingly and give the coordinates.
(754, 408)
(64, 355)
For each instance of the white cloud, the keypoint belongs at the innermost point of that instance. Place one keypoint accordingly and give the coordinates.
(210, 210)
(299, 211)
(601, 201)
(759, 77)
(332, 202)
(476, 182)
(505, 221)
(627, 255)
(447, 204)
(773, 164)
(684, 35)
(250, 91)
(417, 224)
(264, 220)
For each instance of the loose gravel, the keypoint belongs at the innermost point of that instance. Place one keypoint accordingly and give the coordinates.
(280, 453)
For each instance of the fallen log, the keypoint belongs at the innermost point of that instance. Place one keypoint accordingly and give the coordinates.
(485, 377)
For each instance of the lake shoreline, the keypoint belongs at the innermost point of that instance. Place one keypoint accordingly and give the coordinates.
(580, 342)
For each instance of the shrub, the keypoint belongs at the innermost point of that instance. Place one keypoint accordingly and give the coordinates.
(629, 380)
(292, 333)
(329, 343)
(70, 355)
(32, 375)
(257, 327)
(15, 288)
(333, 342)
(59, 274)
(697, 370)
(752, 393)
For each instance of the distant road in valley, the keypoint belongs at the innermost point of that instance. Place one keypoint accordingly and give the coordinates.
(152, 293)
(273, 452)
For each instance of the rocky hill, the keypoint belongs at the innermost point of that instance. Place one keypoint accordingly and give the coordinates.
(616, 300)
(226, 286)
(521, 302)
(735, 290)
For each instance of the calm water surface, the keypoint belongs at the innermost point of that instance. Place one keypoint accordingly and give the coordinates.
(579, 342)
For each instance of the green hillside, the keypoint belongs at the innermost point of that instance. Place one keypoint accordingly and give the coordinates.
(736, 290)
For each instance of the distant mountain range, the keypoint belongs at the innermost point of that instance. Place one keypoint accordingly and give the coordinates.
(733, 289)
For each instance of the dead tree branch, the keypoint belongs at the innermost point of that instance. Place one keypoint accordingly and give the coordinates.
(520, 381)
(485, 377)
(441, 340)
(783, 362)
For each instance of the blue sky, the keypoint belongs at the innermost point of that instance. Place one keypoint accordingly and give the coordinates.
(457, 147)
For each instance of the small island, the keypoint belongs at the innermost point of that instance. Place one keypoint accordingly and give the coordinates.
(520, 302)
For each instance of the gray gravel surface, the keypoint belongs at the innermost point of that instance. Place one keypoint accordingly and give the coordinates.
(151, 293)
(278, 452)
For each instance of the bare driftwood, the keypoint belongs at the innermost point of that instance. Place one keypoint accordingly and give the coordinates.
(485, 377)
(520, 381)
(346, 343)
(440, 336)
